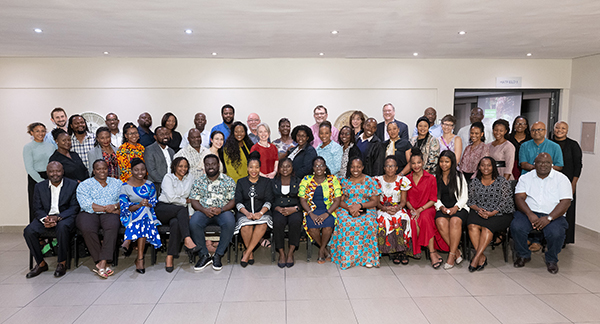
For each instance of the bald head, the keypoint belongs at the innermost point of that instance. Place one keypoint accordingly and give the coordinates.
(55, 172)
(431, 114)
(561, 129)
(476, 115)
(538, 132)
(195, 138)
(200, 121)
(253, 121)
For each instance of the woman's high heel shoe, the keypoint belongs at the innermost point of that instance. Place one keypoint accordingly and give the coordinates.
(192, 252)
(142, 270)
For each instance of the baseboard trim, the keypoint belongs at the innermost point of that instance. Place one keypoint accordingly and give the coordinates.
(12, 229)
(586, 231)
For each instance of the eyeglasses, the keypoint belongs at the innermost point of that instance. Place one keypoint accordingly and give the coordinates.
(447, 125)
(390, 166)
(538, 130)
(520, 124)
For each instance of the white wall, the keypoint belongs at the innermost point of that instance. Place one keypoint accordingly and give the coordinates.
(585, 107)
(30, 88)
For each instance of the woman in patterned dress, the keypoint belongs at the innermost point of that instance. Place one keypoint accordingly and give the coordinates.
(349, 150)
(428, 145)
(355, 237)
(474, 152)
(394, 234)
(285, 142)
(320, 194)
(129, 150)
(138, 198)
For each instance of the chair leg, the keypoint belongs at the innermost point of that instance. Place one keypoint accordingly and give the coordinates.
(154, 253)
(308, 250)
(30, 261)
(236, 247)
(272, 249)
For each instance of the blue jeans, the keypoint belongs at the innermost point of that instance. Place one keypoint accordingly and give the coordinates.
(553, 232)
(198, 223)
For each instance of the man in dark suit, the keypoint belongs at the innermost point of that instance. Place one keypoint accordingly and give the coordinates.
(55, 206)
(389, 114)
(158, 157)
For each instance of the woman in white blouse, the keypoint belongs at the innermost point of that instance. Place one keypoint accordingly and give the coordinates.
(172, 210)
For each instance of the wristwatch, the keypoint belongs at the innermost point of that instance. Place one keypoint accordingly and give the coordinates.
(550, 218)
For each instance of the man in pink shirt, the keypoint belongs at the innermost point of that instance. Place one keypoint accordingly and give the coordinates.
(320, 114)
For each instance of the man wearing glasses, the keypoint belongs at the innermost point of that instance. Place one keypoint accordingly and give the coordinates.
(539, 144)
(320, 115)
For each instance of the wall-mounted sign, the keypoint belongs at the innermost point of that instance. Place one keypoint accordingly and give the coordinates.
(502, 82)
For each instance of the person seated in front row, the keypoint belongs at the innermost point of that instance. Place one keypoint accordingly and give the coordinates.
(253, 196)
(320, 195)
(542, 197)
(55, 206)
(212, 198)
(492, 207)
(451, 205)
(99, 201)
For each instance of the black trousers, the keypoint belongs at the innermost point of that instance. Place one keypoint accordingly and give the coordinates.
(63, 230)
(571, 220)
(294, 223)
(30, 188)
(89, 224)
(178, 218)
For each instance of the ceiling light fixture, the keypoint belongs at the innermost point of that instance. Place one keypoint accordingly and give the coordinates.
(415, 54)
(334, 32)
(462, 32)
(528, 54)
(188, 31)
(106, 53)
(321, 54)
(214, 54)
(38, 30)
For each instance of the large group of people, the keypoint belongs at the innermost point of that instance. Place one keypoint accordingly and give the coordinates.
(357, 193)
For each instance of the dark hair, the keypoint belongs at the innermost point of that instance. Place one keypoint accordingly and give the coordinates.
(56, 132)
(212, 135)
(514, 128)
(390, 157)
(57, 109)
(159, 127)
(352, 135)
(319, 107)
(415, 151)
(166, 117)
(308, 132)
(98, 131)
(495, 172)
(422, 118)
(175, 164)
(449, 118)
(283, 120)
(285, 159)
(136, 161)
(126, 127)
(481, 127)
(70, 130)
(317, 158)
(98, 161)
(454, 186)
(227, 106)
(504, 123)
(210, 156)
(232, 147)
(350, 160)
(325, 123)
(31, 126)
(362, 118)
(254, 156)
(425, 119)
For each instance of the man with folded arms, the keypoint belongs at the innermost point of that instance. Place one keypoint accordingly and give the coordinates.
(55, 206)
(542, 198)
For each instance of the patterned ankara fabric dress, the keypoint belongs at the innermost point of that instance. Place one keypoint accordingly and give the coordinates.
(125, 154)
(354, 241)
(142, 222)
(331, 189)
(394, 232)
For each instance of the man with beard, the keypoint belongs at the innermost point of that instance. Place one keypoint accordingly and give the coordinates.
(320, 115)
(58, 116)
(146, 135)
(212, 197)
(112, 122)
(194, 152)
(81, 137)
(158, 157)
(55, 206)
(228, 114)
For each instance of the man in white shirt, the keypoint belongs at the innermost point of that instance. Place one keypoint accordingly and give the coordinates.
(194, 152)
(200, 123)
(112, 122)
(55, 207)
(465, 132)
(320, 115)
(434, 129)
(542, 198)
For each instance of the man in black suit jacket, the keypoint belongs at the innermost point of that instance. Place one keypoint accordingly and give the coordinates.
(389, 114)
(55, 206)
(156, 160)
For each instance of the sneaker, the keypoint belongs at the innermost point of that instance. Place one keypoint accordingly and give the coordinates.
(205, 261)
(216, 263)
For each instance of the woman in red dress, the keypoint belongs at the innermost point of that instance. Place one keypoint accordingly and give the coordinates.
(420, 200)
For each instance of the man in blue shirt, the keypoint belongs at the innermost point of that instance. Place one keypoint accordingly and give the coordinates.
(539, 144)
(228, 114)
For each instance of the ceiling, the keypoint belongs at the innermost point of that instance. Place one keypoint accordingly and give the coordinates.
(300, 29)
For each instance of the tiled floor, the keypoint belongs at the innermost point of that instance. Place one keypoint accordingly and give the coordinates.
(308, 292)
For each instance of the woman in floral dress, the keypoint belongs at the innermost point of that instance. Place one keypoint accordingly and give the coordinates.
(129, 150)
(355, 238)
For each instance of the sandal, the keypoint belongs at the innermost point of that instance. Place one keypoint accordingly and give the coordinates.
(109, 271)
(320, 260)
(438, 263)
(395, 258)
(265, 243)
(101, 273)
(403, 259)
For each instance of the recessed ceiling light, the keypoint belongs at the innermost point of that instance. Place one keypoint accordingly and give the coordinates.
(106, 53)
(415, 54)
(335, 32)
(214, 53)
(528, 54)
(321, 54)
(188, 31)
(462, 32)
(38, 30)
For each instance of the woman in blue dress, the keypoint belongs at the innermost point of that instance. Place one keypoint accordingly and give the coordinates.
(138, 198)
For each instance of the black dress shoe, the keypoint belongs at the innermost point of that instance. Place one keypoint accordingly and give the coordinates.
(205, 261)
(169, 269)
(140, 270)
(60, 271)
(552, 267)
(36, 271)
(281, 264)
(482, 266)
(520, 262)
(216, 262)
(251, 261)
(289, 264)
